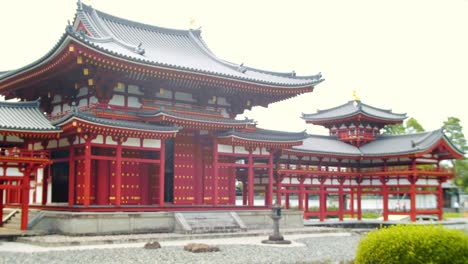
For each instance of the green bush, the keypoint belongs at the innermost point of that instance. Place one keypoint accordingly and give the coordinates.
(413, 244)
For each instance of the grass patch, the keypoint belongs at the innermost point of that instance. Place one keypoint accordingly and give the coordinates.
(453, 215)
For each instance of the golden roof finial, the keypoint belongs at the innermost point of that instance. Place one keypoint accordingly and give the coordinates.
(192, 22)
(355, 97)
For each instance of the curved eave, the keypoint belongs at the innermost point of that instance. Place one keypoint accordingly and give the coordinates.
(68, 123)
(184, 121)
(232, 139)
(323, 154)
(29, 133)
(354, 116)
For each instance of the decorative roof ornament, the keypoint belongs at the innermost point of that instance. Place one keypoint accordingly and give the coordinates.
(140, 50)
(80, 5)
(242, 68)
(355, 96)
(69, 27)
(293, 74)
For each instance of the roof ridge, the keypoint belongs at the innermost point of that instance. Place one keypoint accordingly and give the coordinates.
(326, 110)
(135, 23)
(390, 111)
(31, 104)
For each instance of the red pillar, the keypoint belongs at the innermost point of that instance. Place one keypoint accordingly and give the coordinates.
(25, 199)
(440, 200)
(270, 179)
(385, 200)
(45, 184)
(162, 161)
(358, 198)
(286, 200)
(71, 176)
(413, 199)
(340, 201)
(244, 192)
(279, 179)
(413, 179)
(323, 200)
(250, 179)
(1, 205)
(351, 202)
(215, 171)
(118, 172)
(87, 171)
(301, 194)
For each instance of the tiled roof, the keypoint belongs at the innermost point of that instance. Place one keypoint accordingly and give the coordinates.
(265, 135)
(179, 49)
(382, 146)
(197, 118)
(409, 143)
(353, 108)
(24, 116)
(113, 122)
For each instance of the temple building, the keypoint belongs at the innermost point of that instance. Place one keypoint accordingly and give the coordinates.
(128, 117)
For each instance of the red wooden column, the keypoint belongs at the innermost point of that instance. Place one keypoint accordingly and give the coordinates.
(45, 178)
(250, 179)
(71, 173)
(383, 181)
(1, 204)
(413, 179)
(244, 192)
(162, 162)
(45, 184)
(25, 198)
(87, 171)
(341, 204)
(215, 171)
(440, 199)
(118, 170)
(351, 202)
(269, 200)
(301, 193)
(359, 198)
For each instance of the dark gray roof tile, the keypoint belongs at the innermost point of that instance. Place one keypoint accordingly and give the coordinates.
(353, 108)
(113, 122)
(24, 116)
(265, 135)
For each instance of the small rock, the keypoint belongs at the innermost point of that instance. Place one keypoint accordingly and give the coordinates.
(152, 245)
(200, 248)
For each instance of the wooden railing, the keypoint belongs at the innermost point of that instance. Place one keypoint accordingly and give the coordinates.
(22, 153)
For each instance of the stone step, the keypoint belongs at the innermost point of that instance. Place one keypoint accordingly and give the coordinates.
(209, 222)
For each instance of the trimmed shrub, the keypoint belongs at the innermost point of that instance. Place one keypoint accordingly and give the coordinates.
(413, 244)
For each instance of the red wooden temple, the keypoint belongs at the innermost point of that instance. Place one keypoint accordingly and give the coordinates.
(142, 118)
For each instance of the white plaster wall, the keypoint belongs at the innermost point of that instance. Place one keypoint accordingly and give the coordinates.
(151, 143)
(224, 148)
(98, 140)
(133, 142)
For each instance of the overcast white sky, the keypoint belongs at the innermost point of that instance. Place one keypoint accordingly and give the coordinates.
(410, 56)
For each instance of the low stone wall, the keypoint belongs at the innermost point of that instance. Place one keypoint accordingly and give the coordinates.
(262, 219)
(72, 223)
(77, 223)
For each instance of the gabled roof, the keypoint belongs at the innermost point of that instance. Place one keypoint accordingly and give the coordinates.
(178, 49)
(393, 145)
(351, 109)
(114, 123)
(24, 117)
(182, 118)
(407, 144)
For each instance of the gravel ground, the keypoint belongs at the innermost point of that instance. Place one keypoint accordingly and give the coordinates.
(316, 249)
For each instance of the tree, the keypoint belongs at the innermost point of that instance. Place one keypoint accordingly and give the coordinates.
(409, 127)
(454, 131)
(413, 126)
(396, 129)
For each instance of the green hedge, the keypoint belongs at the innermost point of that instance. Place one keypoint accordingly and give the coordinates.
(413, 244)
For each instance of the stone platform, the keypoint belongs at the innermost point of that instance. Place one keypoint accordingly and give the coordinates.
(102, 223)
